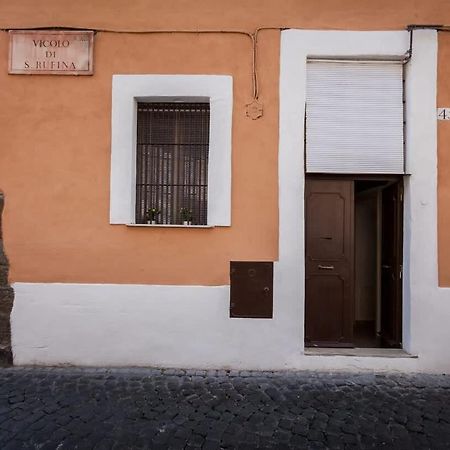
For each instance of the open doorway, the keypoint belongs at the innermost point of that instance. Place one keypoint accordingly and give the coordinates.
(353, 261)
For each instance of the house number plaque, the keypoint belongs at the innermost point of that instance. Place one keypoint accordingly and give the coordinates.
(443, 113)
(51, 52)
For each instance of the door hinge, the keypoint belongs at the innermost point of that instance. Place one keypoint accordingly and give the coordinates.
(400, 274)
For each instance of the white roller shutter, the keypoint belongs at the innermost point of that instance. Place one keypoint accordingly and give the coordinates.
(354, 117)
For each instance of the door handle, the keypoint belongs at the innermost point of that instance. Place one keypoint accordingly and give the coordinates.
(320, 266)
(386, 266)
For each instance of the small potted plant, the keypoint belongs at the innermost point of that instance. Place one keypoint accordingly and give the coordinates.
(186, 216)
(151, 214)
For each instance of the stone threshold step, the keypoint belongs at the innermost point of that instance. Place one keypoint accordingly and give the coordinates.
(365, 352)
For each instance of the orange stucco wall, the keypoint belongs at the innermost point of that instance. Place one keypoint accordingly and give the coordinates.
(443, 100)
(55, 135)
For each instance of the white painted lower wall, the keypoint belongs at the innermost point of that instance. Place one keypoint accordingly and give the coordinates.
(189, 326)
(117, 325)
(183, 326)
(165, 326)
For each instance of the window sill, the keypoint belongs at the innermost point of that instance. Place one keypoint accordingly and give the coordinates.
(162, 225)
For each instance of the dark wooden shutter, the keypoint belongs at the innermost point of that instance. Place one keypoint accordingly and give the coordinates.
(251, 289)
(172, 160)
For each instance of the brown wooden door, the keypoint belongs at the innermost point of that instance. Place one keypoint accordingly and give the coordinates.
(391, 266)
(329, 263)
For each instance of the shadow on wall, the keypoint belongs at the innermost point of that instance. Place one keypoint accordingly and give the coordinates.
(6, 300)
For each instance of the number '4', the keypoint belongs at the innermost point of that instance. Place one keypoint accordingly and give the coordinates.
(443, 114)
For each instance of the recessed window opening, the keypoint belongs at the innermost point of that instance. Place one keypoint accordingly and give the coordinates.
(172, 145)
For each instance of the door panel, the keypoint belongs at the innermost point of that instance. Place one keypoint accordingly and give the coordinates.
(326, 211)
(391, 266)
(326, 313)
(329, 263)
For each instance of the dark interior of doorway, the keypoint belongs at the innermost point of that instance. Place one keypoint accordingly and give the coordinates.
(377, 238)
(378, 248)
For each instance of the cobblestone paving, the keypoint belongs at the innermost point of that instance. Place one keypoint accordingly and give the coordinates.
(173, 409)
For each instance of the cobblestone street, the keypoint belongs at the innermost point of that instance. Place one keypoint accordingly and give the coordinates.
(162, 409)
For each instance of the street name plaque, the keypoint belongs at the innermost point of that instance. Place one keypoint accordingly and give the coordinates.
(51, 52)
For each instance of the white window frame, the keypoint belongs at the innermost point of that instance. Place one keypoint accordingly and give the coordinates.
(127, 90)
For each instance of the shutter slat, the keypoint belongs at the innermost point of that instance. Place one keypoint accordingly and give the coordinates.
(354, 117)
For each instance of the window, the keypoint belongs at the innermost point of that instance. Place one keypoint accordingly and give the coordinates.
(195, 153)
(172, 162)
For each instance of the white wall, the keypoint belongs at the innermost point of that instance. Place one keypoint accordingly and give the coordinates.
(167, 326)
(429, 312)
(188, 326)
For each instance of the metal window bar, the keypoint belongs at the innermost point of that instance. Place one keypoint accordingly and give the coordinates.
(172, 161)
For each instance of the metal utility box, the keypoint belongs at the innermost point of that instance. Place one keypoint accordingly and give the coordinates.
(251, 289)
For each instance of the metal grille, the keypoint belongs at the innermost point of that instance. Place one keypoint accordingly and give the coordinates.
(172, 161)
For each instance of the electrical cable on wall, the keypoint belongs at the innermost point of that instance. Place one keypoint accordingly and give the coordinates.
(254, 109)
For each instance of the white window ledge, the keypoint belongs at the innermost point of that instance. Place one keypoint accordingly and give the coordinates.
(163, 225)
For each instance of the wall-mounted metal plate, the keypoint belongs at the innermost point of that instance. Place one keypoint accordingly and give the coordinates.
(251, 289)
